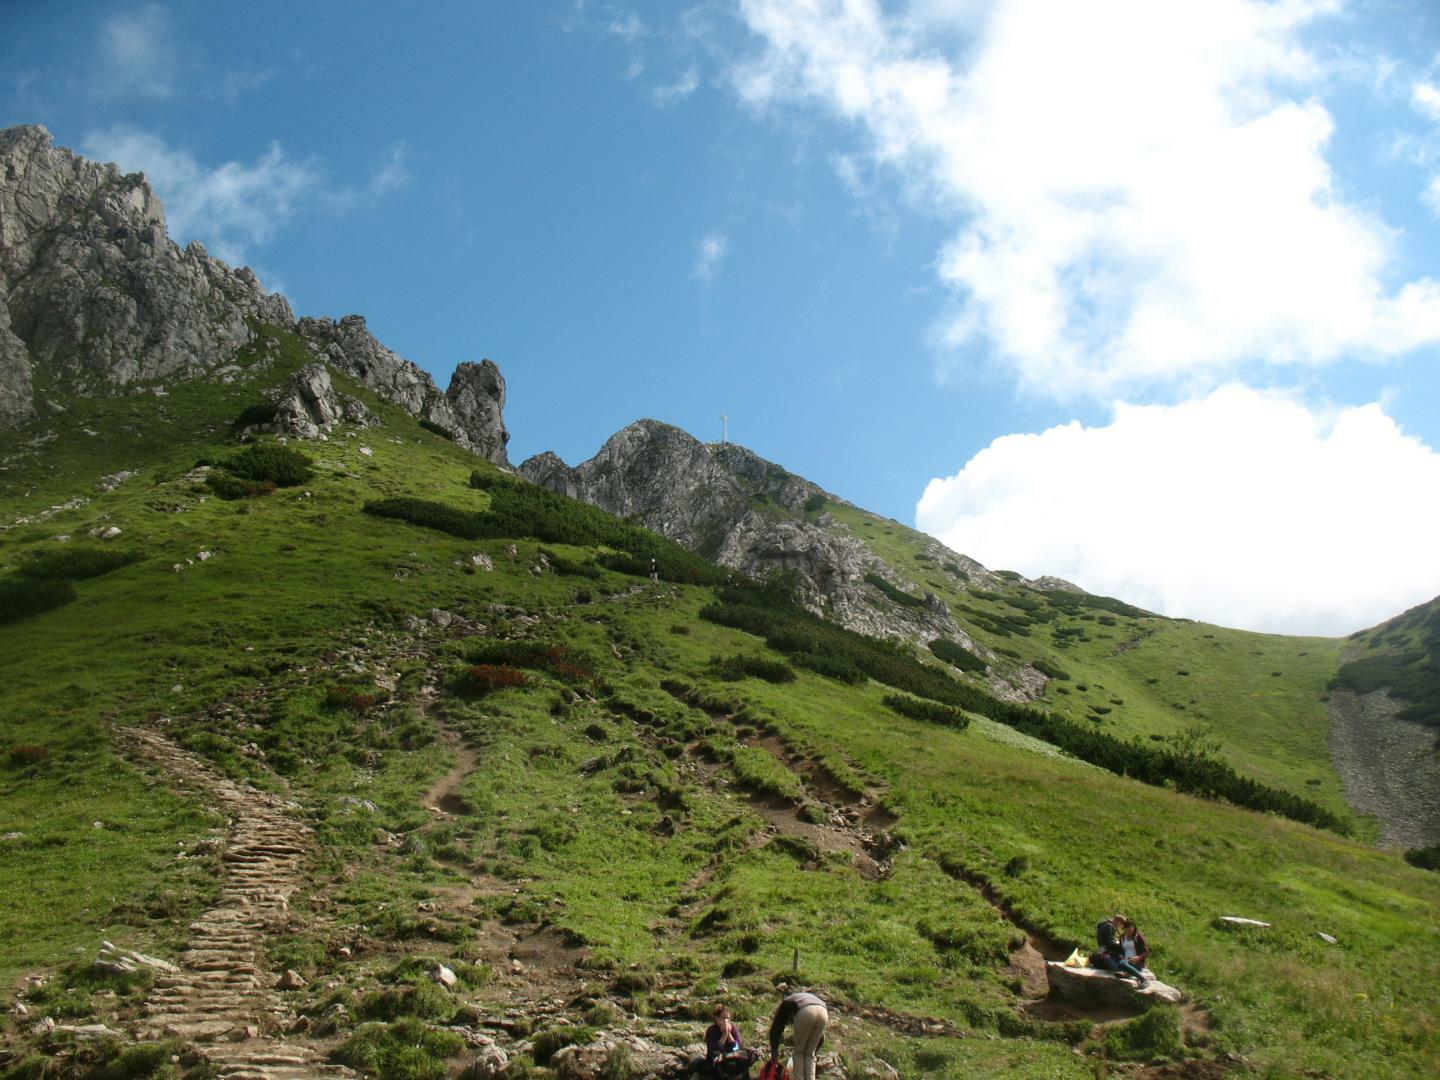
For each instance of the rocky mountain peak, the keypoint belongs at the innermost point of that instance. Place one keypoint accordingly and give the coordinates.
(93, 290)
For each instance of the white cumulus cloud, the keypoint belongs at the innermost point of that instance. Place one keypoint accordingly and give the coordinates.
(1140, 190)
(1241, 508)
(710, 252)
(229, 207)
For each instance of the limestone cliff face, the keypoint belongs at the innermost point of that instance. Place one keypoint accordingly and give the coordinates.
(92, 287)
(732, 505)
(94, 292)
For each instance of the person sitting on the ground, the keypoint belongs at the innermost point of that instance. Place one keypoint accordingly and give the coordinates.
(1136, 948)
(725, 1052)
(1111, 956)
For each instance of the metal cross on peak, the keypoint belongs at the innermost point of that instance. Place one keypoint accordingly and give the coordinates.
(724, 428)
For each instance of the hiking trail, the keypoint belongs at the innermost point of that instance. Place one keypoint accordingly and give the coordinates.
(223, 997)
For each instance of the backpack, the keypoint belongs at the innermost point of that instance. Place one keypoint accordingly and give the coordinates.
(773, 1070)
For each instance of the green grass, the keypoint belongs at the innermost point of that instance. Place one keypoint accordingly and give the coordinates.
(630, 823)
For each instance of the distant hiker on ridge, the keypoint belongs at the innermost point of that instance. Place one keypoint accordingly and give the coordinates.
(1111, 956)
(811, 1018)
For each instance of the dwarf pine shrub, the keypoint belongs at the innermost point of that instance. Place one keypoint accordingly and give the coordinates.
(77, 563)
(280, 465)
(739, 666)
(21, 597)
(957, 655)
(900, 596)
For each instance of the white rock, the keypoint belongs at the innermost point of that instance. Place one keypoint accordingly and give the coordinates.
(1329, 940)
(203, 555)
(490, 1062)
(1236, 920)
(367, 451)
(291, 980)
(1093, 984)
(444, 976)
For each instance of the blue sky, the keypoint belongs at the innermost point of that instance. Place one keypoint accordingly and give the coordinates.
(1148, 298)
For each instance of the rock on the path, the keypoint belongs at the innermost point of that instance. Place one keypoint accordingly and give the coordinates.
(291, 980)
(443, 975)
(589, 1062)
(123, 961)
(490, 1062)
(1105, 987)
(88, 1031)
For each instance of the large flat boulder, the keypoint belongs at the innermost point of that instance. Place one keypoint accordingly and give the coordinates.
(1105, 987)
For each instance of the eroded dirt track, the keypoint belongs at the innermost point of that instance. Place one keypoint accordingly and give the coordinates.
(223, 997)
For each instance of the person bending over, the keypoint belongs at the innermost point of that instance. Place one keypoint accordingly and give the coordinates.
(810, 1017)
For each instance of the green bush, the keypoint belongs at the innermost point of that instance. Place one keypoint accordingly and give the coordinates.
(405, 1050)
(569, 567)
(741, 666)
(1156, 1034)
(554, 1039)
(815, 503)
(438, 429)
(900, 596)
(77, 563)
(425, 999)
(280, 465)
(1050, 670)
(260, 413)
(231, 488)
(927, 710)
(21, 598)
(1426, 858)
(957, 655)
(465, 524)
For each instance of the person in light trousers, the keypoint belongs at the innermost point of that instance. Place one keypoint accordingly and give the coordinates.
(810, 1017)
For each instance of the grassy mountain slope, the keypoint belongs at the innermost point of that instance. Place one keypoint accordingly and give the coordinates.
(639, 835)
(1136, 674)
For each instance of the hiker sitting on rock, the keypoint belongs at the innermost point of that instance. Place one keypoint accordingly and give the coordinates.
(1111, 956)
(1136, 948)
(725, 1052)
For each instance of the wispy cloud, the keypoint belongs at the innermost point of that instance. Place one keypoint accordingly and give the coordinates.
(137, 54)
(1141, 192)
(670, 94)
(710, 252)
(230, 207)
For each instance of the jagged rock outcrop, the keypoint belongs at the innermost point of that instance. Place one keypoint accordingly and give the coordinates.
(310, 406)
(471, 411)
(732, 505)
(93, 289)
(92, 286)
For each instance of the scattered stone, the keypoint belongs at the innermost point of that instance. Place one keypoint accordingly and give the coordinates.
(367, 451)
(114, 480)
(12, 836)
(875, 1069)
(344, 952)
(441, 618)
(43, 1026)
(291, 980)
(444, 976)
(97, 824)
(123, 961)
(106, 532)
(1236, 920)
(19, 1010)
(484, 562)
(489, 1063)
(203, 555)
(1327, 938)
(241, 1032)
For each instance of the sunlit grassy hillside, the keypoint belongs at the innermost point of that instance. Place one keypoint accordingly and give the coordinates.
(605, 807)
